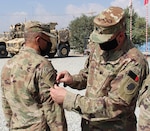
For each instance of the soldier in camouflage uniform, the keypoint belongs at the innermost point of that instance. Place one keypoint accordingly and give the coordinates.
(113, 75)
(144, 103)
(26, 81)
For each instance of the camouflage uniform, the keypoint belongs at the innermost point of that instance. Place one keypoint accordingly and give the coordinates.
(112, 80)
(144, 103)
(26, 81)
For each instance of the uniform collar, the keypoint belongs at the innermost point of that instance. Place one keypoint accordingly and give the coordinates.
(114, 56)
(29, 49)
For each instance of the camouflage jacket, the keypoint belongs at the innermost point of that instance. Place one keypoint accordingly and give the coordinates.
(144, 103)
(27, 104)
(112, 81)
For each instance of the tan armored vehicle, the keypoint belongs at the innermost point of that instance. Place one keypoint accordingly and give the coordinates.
(60, 41)
(14, 44)
(3, 51)
(10, 42)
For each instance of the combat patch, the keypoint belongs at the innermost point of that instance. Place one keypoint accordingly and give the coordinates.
(128, 87)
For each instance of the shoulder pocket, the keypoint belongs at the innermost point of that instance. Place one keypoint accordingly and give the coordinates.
(128, 89)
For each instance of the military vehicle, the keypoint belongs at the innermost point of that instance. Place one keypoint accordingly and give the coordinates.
(3, 51)
(16, 40)
(60, 41)
(10, 39)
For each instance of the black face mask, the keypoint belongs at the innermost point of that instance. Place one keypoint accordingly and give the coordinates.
(107, 46)
(46, 50)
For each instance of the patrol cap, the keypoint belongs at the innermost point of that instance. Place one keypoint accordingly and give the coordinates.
(107, 24)
(36, 26)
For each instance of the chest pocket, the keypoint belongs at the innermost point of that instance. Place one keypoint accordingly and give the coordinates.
(99, 80)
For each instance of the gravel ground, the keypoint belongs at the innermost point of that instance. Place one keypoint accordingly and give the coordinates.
(73, 64)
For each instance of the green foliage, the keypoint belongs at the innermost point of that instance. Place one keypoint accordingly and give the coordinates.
(82, 27)
(138, 27)
(134, 17)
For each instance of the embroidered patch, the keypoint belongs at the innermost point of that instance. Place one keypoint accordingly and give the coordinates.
(133, 76)
(131, 86)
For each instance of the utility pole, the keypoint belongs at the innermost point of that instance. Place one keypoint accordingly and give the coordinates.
(130, 11)
(146, 4)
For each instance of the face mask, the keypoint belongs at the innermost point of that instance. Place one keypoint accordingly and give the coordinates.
(46, 50)
(107, 46)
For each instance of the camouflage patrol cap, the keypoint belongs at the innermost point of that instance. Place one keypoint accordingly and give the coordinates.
(36, 26)
(108, 23)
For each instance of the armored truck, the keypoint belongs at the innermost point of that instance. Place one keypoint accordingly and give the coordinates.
(3, 51)
(60, 43)
(16, 40)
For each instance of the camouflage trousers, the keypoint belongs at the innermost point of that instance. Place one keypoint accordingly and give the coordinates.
(107, 126)
(35, 127)
(38, 127)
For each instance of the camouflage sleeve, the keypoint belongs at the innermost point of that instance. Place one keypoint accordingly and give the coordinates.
(80, 80)
(85, 105)
(52, 111)
(7, 110)
(123, 91)
(144, 104)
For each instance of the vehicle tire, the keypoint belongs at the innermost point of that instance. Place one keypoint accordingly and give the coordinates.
(63, 50)
(51, 55)
(3, 51)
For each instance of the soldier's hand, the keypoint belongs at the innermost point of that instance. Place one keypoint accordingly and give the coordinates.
(65, 77)
(58, 94)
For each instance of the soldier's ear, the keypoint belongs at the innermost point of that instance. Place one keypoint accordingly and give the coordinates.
(37, 39)
(121, 37)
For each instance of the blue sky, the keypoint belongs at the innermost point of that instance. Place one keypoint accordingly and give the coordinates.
(61, 11)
